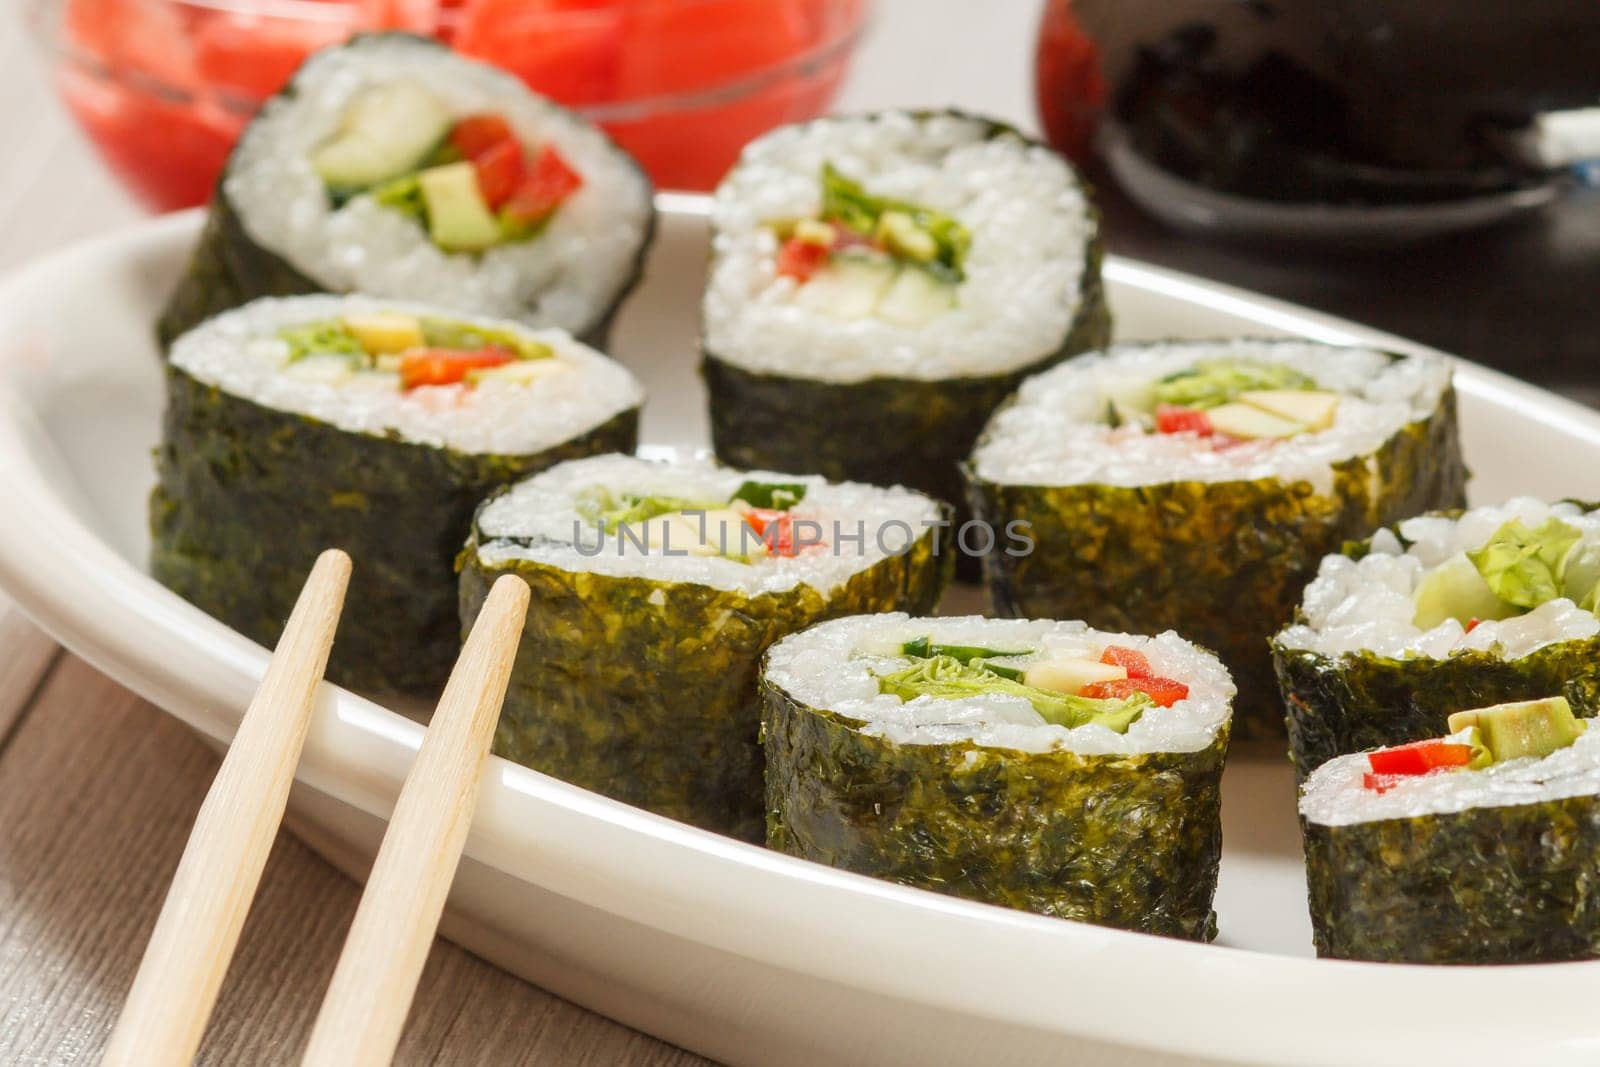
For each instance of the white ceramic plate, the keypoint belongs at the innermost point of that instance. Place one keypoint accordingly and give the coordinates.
(742, 954)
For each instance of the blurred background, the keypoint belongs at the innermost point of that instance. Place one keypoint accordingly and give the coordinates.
(1426, 168)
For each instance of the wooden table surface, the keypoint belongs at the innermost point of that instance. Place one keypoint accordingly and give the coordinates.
(97, 787)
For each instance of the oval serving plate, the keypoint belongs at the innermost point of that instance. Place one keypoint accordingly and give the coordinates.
(739, 953)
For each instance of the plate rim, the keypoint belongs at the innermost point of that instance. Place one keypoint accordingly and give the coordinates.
(619, 859)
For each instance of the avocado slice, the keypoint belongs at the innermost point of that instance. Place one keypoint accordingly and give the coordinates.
(459, 220)
(1456, 590)
(1312, 408)
(387, 131)
(1522, 728)
(385, 332)
(1249, 422)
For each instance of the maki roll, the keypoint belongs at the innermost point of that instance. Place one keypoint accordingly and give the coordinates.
(1442, 612)
(298, 424)
(1477, 847)
(880, 283)
(657, 586)
(1031, 764)
(1195, 486)
(393, 167)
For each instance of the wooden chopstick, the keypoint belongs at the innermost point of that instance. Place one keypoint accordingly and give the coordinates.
(198, 929)
(370, 995)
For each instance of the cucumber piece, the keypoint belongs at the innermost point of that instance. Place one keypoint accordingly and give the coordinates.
(915, 298)
(849, 287)
(1455, 590)
(388, 130)
(459, 219)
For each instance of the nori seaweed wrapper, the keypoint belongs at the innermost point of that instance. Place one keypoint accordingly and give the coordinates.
(1223, 563)
(646, 690)
(247, 496)
(1130, 841)
(229, 268)
(1357, 701)
(885, 430)
(1512, 884)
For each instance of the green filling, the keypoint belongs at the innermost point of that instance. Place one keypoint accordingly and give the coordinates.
(333, 337)
(599, 505)
(932, 239)
(944, 677)
(775, 496)
(1527, 567)
(925, 647)
(464, 337)
(1519, 729)
(320, 338)
(1215, 382)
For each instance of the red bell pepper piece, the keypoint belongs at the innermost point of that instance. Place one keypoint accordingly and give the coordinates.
(1164, 691)
(1419, 757)
(1129, 659)
(500, 168)
(1380, 783)
(447, 366)
(779, 534)
(548, 182)
(476, 134)
(799, 259)
(1173, 419)
(1472, 624)
(760, 518)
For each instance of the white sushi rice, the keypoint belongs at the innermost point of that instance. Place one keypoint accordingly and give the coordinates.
(568, 276)
(239, 352)
(836, 665)
(862, 525)
(1027, 214)
(1055, 432)
(1334, 794)
(1367, 605)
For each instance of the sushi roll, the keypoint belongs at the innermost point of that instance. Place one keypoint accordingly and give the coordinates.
(303, 423)
(1032, 764)
(657, 586)
(880, 283)
(393, 167)
(1442, 612)
(1195, 486)
(1480, 846)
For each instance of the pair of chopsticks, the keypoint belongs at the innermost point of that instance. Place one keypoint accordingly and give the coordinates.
(194, 938)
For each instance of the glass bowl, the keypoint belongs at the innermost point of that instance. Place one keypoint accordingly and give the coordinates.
(163, 87)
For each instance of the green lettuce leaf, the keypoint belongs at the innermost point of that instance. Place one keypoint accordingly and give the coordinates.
(947, 678)
(846, 202)
(1214, 382)
(321, 338)
(1524, 566)
(598, 504)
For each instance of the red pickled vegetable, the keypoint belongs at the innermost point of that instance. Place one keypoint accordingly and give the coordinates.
(1380, 783)
(1129, 659)
(1419, 757)
(1164, 691)
(1472, 624)
(1173, 419)
(476, 134)
(781, 539)
(760, 518)
(799, 259)
(548, 182)
(499, 168)
(447, 366)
